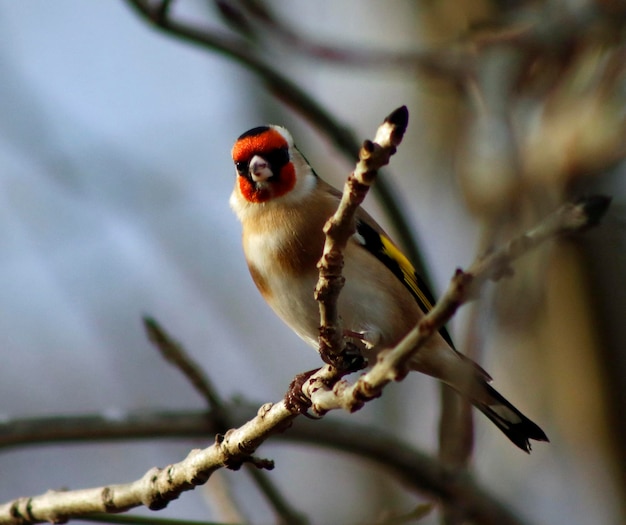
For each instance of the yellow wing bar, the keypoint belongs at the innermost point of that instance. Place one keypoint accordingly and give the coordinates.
(409, 276)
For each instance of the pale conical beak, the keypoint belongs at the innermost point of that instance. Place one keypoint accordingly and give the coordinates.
(259, 169)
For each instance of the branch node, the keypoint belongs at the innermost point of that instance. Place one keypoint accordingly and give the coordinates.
(107, 497)
(264, 409)
(153, 497)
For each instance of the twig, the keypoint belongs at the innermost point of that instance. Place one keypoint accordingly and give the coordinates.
(158, 486)
(257, 21)
(221, 499)
(414, 469)
(175, 354)
(340, 227)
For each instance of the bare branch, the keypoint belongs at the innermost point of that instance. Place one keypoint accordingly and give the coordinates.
(340, 227)
(258, 21)
(158, 486)
(175, 354)
(416, 470)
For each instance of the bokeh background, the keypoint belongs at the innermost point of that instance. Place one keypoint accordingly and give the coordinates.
(115, 175)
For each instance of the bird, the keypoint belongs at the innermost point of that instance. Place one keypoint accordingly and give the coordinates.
(282, 205)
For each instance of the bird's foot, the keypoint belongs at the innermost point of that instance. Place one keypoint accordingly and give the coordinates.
(295, 399)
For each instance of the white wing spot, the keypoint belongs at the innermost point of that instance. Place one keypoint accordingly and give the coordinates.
(506, 414)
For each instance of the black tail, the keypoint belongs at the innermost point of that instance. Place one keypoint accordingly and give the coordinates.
(515, 425)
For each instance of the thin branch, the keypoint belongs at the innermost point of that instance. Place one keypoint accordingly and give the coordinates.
(15, 433)
(256, 21)
(340, 227)
(221, 500)
(413, 468)
(175, 354)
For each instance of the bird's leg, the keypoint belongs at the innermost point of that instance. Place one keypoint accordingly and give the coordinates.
(351, 357)
(349, 361)
(295, 400)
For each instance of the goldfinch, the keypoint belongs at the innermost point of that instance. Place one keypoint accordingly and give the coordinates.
(282, 205)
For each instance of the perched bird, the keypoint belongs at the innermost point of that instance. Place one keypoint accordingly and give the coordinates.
(282, 205)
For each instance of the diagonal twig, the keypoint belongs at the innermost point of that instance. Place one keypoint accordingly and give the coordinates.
(175, 354)
(340, 227)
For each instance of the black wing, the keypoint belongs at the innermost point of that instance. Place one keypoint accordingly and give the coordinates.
(381, 247)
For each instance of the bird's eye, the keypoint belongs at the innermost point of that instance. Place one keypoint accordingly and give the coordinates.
(241, 167)
(278, 158)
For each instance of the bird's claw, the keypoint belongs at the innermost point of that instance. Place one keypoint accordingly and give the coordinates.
(295, 399)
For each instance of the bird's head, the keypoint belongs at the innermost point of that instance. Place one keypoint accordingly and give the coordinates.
(269, 166)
